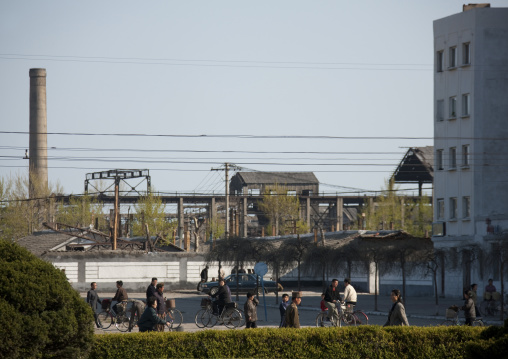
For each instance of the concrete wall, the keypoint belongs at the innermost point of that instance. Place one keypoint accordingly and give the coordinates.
(182, 271)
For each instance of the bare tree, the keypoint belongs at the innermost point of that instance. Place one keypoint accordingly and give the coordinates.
(294, 250)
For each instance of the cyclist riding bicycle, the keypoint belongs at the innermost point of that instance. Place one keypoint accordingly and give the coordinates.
(223, 297)
(331, 298)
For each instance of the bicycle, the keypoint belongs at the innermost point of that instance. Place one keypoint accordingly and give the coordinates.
(346, 317)
(173, 315)
(230, 316)
(121, 319)
(452, 318)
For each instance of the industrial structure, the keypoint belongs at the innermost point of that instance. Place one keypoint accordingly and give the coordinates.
(38, 150)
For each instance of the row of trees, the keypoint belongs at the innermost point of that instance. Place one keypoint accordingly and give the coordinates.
(400, 254)
(329, 257)
(23, 210)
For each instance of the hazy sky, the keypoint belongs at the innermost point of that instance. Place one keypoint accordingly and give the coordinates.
(202, 83)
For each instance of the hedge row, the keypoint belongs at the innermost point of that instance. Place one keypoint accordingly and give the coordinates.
(354, 342)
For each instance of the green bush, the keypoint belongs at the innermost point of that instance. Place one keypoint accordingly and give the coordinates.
(352, 342)
(493, 343)
(41, 315)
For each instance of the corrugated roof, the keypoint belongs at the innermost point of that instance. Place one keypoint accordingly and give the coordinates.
(41, 242)
(278, 177)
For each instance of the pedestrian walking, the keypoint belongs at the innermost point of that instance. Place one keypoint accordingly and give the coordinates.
(204, 277)
(251, 311)
(138, 307)
(292, 317)
(397, 315)
(92, 298)
(282, 308)
(468, 308)
(161, 304)
(150, 291)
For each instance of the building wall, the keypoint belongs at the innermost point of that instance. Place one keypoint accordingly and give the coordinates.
(484, 128)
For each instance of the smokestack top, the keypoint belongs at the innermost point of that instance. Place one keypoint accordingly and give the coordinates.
(37, 72)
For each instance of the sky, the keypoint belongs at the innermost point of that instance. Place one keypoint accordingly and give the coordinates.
(339, 88)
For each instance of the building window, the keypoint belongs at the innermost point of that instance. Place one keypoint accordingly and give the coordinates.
(440, 61)
(440, 110)
(453, 57)
(466, 207)
(466, 53)
(453, 107)
(255, 192)
(439, 159)
(453, 208)
(465, 156)
(291, 193)
(466, 104)
(453, 158)
(440, 209)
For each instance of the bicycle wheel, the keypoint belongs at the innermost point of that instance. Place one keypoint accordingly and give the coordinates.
(361, 318)
(208, 319)
(322, 320)
(105, 319)
(448, 323)
(197, 318)
(242, 324)
(174, 316)
(478, 323)
(232, 318)
(347, 319)
(122, 322)
(484, 307)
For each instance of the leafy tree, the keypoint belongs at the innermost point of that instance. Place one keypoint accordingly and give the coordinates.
(42, 315)
(81, 211)
(401, 212)
(25, 208)
(282, 210)
(151, 210)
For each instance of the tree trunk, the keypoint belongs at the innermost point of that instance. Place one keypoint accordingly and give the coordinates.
(299, 286)
(375, 286)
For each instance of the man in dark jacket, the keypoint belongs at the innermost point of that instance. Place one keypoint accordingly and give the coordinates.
(332, 297)
(150, 291)
(222, 296)
(92, 298)
(150, 319)
(161, 304)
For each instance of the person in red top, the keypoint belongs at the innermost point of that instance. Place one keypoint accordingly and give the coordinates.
(331, 299)
(323, 305)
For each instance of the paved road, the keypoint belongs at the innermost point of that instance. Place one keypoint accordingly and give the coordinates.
(420, 310)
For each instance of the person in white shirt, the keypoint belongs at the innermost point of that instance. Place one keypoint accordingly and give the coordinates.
(349, 292)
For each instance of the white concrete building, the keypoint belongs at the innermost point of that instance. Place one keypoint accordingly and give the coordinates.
(471, 140)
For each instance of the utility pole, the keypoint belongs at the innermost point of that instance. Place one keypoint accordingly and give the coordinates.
(227, 167)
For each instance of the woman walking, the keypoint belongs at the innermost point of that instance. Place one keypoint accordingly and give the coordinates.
(397, 315)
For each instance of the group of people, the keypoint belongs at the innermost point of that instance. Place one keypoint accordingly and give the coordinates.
(151, 317)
